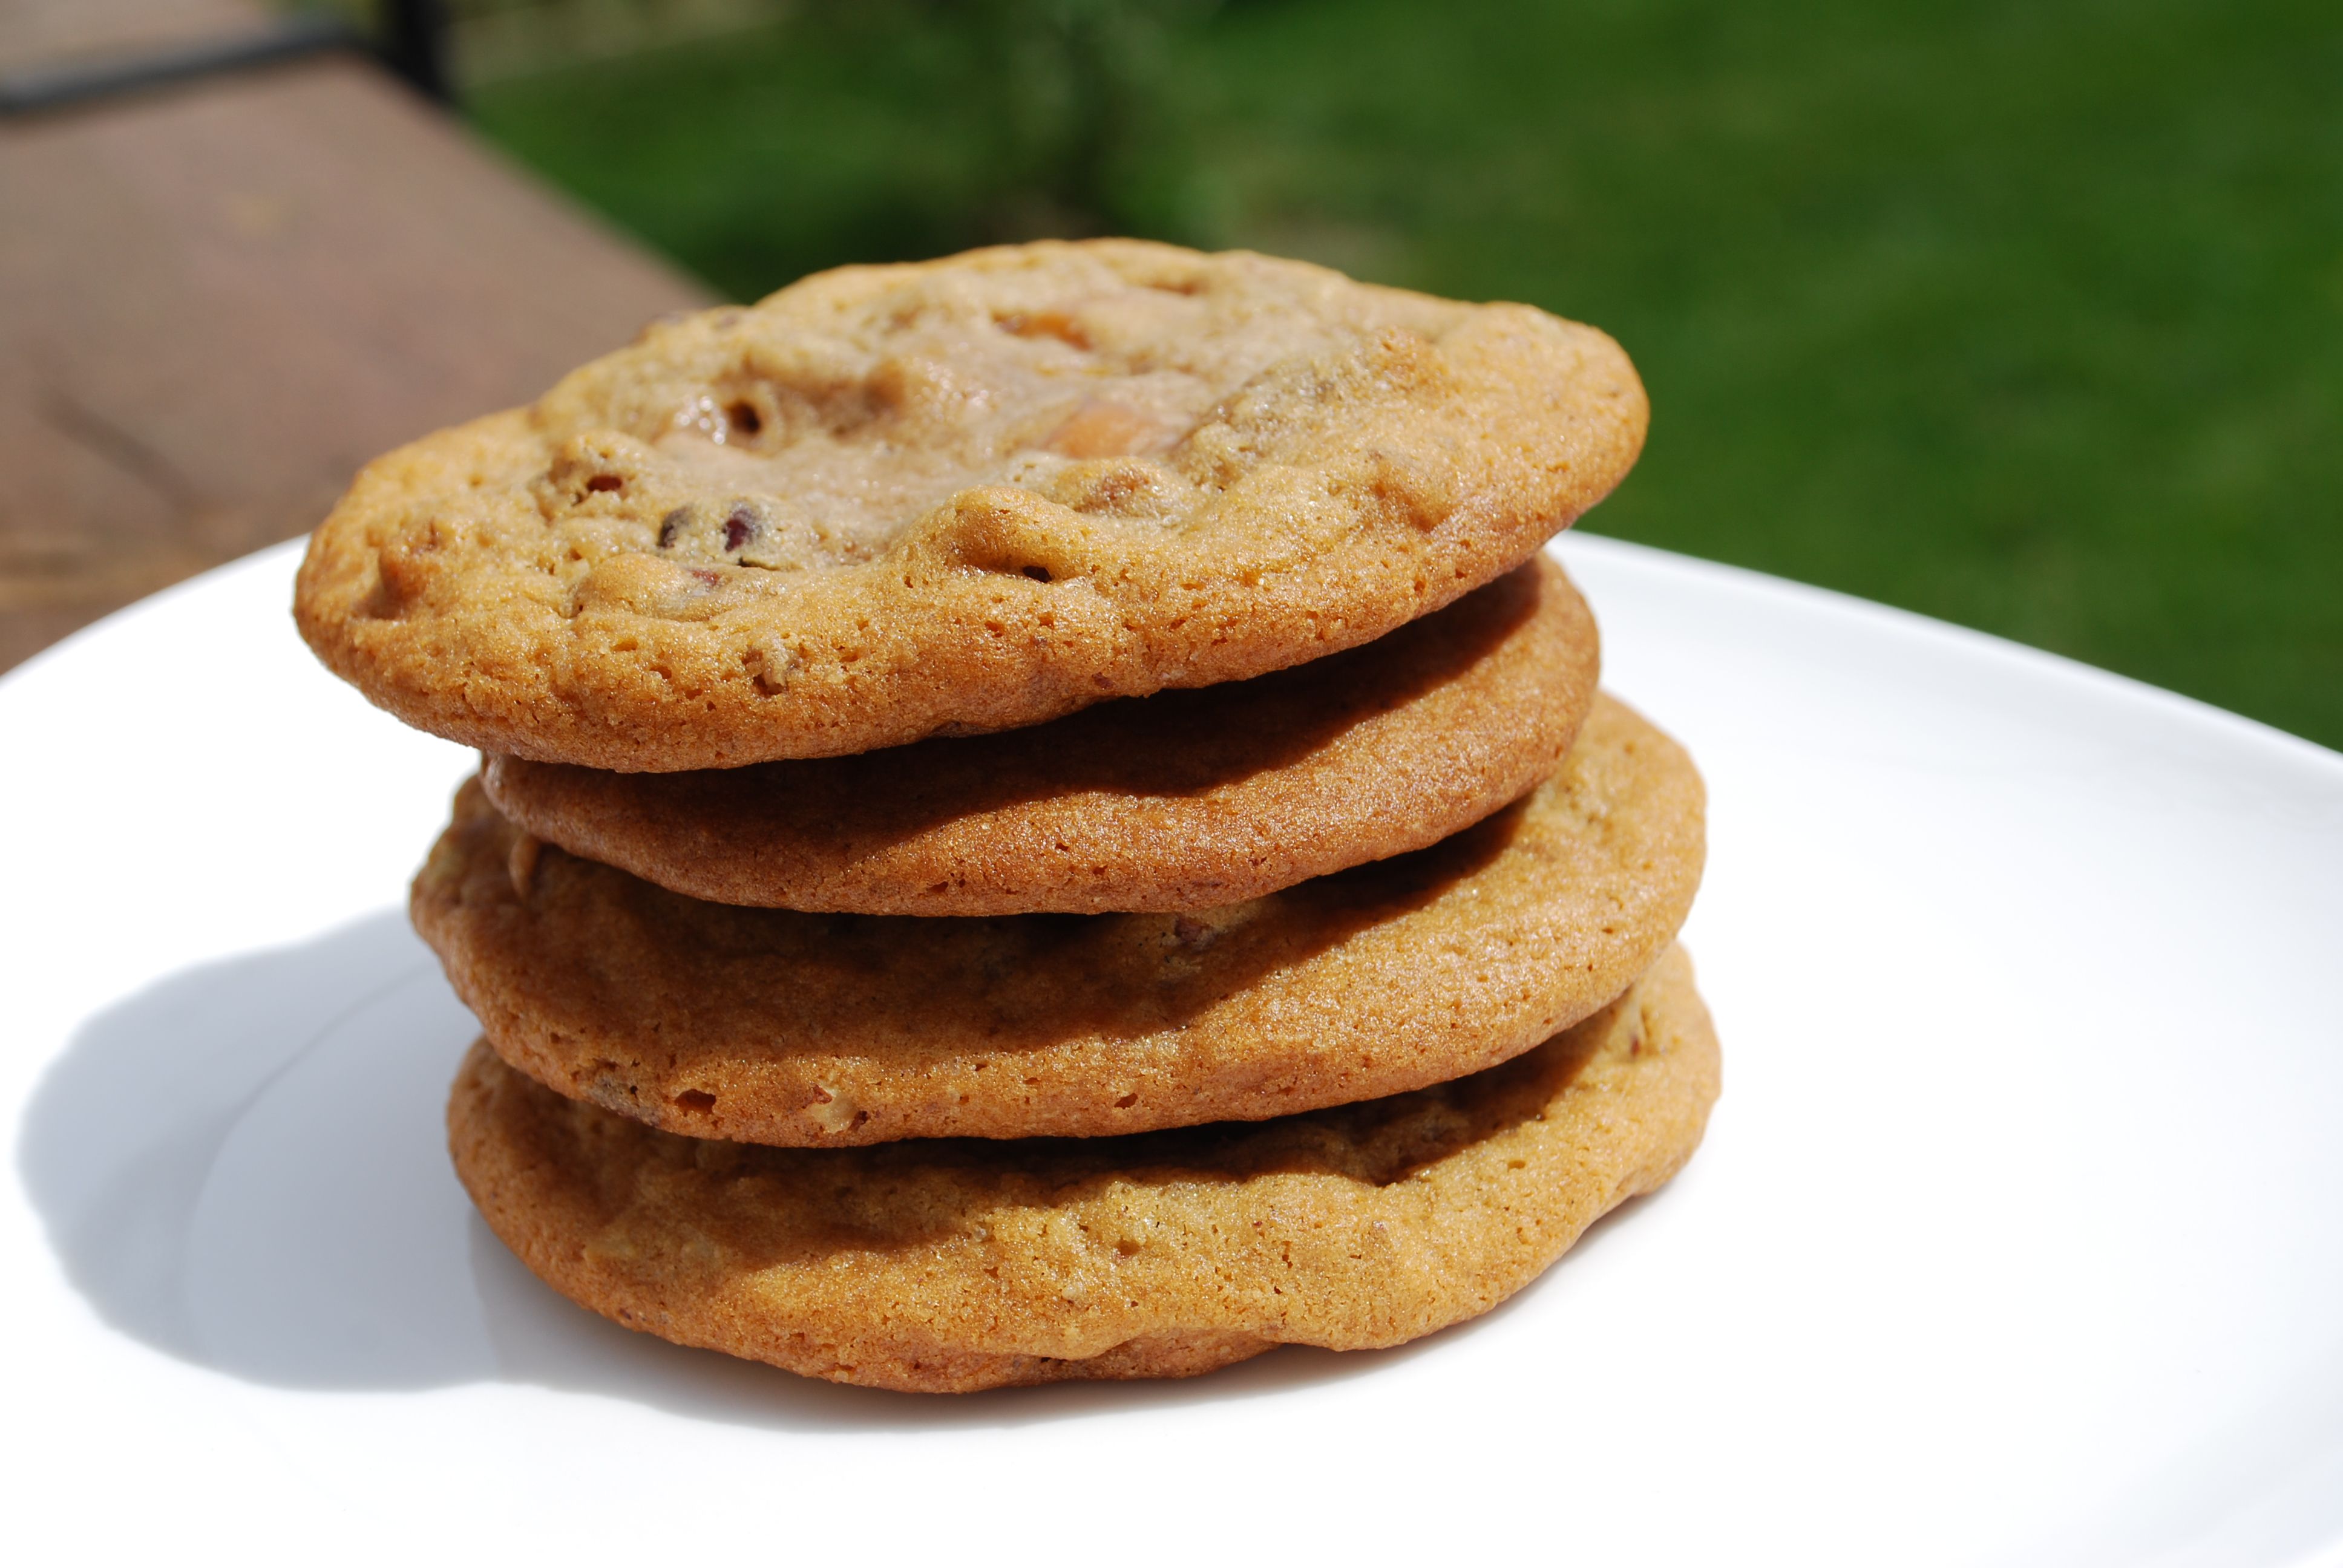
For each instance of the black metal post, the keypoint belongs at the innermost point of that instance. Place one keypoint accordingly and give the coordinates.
(415, 45)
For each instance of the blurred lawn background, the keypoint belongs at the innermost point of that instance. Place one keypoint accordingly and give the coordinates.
(2025, 316)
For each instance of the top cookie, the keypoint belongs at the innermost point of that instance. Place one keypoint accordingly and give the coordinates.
(967, 494)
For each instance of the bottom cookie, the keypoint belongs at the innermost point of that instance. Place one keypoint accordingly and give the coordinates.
(951, 1265)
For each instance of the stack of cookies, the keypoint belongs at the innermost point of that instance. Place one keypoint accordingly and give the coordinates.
(1043, 815)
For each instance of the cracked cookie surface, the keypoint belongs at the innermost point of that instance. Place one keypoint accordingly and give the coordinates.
(1179, 801)
(772, 1026)
(954, 496)
(952, 1266)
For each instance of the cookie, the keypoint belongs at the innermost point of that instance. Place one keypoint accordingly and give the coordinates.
(770, 1026)
(893, 502)
(958, 1265)
(1179, 801)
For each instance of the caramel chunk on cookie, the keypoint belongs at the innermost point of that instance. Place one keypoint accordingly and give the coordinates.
(957, 495)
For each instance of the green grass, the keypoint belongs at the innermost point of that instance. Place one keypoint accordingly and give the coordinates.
(2029, 316)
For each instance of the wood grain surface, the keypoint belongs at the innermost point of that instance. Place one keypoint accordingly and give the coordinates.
(217, 300)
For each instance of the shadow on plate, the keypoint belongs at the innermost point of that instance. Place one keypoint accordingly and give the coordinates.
(245, 1165)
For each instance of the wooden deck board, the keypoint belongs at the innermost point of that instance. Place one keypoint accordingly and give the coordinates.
(217, 301)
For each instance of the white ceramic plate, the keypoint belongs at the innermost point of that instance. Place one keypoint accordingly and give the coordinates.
(2017, 1237)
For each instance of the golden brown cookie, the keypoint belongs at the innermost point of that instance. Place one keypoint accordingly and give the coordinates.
(957, 1265)
(1183, 800)
(968, 494)
(775, 1027)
